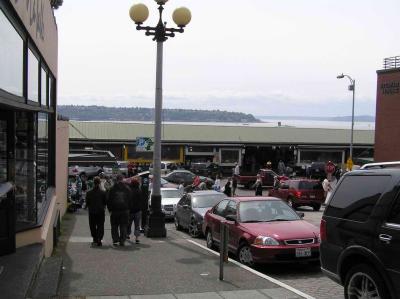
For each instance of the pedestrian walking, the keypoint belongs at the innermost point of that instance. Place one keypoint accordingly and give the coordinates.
(329, 185)
(281, 167)
(144, 188)
(135, 210)
(217, 183)
(258, 186)
(234, 184)
(96, 203)
(236, 170)
(118, 205)
(227, 188)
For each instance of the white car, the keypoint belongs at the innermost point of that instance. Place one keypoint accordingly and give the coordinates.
(166, 167)
(169, 199)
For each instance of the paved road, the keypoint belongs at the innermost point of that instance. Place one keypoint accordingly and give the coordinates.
(304, 277)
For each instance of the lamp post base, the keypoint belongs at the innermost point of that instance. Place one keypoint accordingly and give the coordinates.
(155, 226)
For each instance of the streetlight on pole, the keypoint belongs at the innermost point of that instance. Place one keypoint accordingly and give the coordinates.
(352, 87)
(181, 16)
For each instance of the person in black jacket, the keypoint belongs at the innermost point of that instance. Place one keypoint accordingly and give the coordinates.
(96, 203)
(227, 188)
(118, 205)
(135, 213)
(144, 188)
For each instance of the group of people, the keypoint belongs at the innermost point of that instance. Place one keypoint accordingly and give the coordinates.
(125, 202)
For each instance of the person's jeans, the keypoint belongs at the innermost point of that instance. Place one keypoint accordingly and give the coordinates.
(135, 219)
(96, 224)
(119, 224)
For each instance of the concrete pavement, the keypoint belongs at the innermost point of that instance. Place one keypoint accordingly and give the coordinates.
(166, 268)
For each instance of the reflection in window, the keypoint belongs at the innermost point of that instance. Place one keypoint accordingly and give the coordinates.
(25, 149)
(33, 77)
(42, 160)
(11, 58)
(43, 95)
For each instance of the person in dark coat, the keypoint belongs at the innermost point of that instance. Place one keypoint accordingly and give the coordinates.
(96, 203)
(118, 205)
(258, 186)
(227, 188)
(144, 188)
(135, 210)
(234, 184)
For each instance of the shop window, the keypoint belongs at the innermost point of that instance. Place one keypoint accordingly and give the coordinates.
(43, 94)
(33, 77)
(200, 149)
(42, 160)
(25, 170)
(229, 156)
(320, 156)
(133, 154)
(170, 152)
(11, 58)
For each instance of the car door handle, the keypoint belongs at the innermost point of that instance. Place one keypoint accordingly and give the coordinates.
(385, 238)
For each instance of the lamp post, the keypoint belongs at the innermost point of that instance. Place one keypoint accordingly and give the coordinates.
(352, 87)
(181, 16)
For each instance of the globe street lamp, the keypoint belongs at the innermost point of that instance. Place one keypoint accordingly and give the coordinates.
(352, 87)
(181, 16)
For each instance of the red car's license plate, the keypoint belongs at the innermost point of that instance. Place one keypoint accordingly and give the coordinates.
(312, 196)
(303, 252)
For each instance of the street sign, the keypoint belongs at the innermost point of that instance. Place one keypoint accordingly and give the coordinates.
(330, 167)
(144, 144)
(349, 164)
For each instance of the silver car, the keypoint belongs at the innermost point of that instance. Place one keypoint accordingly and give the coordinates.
(169, 199)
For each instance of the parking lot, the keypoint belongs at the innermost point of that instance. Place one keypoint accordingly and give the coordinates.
(305, 277)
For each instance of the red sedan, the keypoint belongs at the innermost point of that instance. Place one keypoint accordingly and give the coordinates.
(262, 230)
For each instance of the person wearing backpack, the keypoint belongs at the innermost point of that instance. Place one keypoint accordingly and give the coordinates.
(118, 205)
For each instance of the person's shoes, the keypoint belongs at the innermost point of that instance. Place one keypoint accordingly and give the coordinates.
(99, 244)
(128, 238)
(137, 241)
(122, 244)
(94, 243)
(115, 243)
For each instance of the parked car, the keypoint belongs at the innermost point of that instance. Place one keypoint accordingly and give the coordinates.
(205, 169)
(267, 177)
(360, 234)
(146, 174)
(166, 167)
(91, 162)
(192, 207)
(262, 230)
(123, 167)
(300, 192)
(187, 177)
(169, 200)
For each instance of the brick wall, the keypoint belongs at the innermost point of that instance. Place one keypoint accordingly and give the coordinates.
(387, 128)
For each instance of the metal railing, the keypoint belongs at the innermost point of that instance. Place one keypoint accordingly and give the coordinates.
(391, 62)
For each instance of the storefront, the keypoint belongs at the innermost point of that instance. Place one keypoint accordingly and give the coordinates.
(28, 68)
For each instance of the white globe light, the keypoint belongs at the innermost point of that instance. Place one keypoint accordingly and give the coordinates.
(139, 13)
(182, 16)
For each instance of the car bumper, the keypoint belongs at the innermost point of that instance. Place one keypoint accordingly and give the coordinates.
(169, 214)
(282, 254)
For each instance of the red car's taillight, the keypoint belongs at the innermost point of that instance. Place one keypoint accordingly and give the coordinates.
(297, 194)
(322, 230)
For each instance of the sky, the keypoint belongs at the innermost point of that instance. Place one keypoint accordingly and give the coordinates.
(264, 57)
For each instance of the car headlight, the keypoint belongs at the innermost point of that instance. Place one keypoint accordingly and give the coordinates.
(267, 241)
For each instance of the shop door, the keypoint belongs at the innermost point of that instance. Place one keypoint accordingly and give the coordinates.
(7, 218)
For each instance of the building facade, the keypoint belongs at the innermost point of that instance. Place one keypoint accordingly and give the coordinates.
(387, 133)
(28, 124)
(250, 146)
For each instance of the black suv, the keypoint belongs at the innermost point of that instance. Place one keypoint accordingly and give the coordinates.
(360, 234)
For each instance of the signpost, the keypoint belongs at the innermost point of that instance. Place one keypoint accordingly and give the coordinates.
(144, 144)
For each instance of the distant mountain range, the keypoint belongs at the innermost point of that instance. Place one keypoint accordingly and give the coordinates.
(358, 118)
(91, 113)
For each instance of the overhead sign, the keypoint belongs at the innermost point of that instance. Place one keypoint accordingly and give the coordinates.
(330, 167)
(144, 144)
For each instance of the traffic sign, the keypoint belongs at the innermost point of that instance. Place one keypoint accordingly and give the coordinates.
(349, 164)
(330, 167)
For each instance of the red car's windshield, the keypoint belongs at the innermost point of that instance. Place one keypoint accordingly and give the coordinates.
(265, 211)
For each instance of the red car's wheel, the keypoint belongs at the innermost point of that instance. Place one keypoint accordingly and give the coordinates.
(245, 256)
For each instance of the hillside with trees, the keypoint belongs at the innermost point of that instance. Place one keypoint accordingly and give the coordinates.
(88, 113)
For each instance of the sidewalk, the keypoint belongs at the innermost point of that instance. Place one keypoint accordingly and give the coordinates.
(156, 268)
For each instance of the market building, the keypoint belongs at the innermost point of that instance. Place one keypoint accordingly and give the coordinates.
(32, 178)
(249, 145)
(387, 136)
